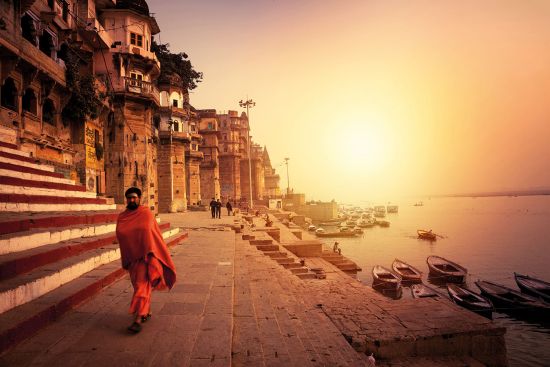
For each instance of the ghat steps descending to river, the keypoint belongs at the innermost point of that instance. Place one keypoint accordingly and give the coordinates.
(57, 245)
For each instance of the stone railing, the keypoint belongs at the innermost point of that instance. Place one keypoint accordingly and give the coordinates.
(146, 89)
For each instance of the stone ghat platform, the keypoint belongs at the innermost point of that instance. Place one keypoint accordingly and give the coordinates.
(236, 304)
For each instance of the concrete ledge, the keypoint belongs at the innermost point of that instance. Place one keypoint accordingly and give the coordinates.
(305, 248)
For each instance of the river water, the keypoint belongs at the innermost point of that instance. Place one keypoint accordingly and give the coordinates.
(491, 237)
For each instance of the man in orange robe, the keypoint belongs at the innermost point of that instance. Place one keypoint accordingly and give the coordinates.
(144, 254)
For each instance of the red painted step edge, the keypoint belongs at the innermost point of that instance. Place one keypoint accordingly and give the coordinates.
(15, 267)
(8, 145)
(15, 167)
(55, 221)
(18, 157)
(14, 181)
(27, 328)
(44, 199)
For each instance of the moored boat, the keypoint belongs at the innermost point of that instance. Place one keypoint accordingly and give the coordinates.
(426, 235)
(423, 291)
(533, 286)
(357, 230)
(446, 270)
(311, 228)
(392, 209)
(319, 231)
(509, 300)
(470, 300)
(383, 223)
(385, 279)
(407, 272)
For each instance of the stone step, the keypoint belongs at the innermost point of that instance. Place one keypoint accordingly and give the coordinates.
(261, 242)
(8, 145)
(300, 270)
(13, 185)
(284, 260)
(307, 276)
(268, 247)
(23, 321)
(292, 265)
(276, 254)
(41, 280)
(12, 170)
(22, 241)
(42, 203)
(21, 222)
(24, 161)
(248, 237)
(14, 150)
(22, 262)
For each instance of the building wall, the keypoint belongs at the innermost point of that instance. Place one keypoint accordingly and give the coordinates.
(171, 177)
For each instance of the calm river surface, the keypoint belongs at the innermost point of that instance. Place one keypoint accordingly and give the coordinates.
(491, 237)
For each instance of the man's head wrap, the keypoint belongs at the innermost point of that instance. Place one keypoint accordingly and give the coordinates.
(133, 190)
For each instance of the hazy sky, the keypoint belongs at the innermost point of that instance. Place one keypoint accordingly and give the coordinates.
(374, 100)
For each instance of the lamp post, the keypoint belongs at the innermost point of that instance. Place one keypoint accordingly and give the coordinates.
(287, 177)
(249, 103)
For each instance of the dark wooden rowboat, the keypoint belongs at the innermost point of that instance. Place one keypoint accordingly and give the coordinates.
(423, 291)
(426, 235)
(533, 286)
(509, 300)
(442, 269)
(470, 300)
(385, 279)
(407, 272)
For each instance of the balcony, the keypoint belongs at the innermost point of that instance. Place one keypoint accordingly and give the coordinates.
(138, 51)
(176, 135)
(138, 88)
(32, 55)
(194, 154)
(94, 33)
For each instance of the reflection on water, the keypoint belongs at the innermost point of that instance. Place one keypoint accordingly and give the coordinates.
(491, 237)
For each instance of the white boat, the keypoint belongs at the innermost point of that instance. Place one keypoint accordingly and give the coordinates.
(392, 209)
(319, 230)
(380, 211)
(311, 228)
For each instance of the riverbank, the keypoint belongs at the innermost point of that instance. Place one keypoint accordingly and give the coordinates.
(234, 304)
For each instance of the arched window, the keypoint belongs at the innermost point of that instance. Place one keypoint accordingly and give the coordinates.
(9, 94)
(46, 44)
(28, 28)
(48, 112)
(176, 125)
(29, 101)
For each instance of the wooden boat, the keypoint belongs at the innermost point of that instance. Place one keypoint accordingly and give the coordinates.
(407, 272)
(510, 300)
(426, 235)
(392, 209)
(470, 300)
(446, 270)
(319, 231)
(383, 223)
(311, 228)
(357, 230)
(385, 279)
(533, 286)
(423, 291)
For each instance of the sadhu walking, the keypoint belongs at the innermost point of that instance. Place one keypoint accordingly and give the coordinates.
(144, 254)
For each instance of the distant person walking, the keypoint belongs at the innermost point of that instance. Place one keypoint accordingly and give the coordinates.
(144, 254)
(218, 209)
(213, 206)
(229, 208)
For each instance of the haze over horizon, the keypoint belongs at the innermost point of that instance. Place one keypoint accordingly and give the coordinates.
(376, 100)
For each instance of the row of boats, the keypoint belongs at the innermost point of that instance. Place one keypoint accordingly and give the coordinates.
(533, 296)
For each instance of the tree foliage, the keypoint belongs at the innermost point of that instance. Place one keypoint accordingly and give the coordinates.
(84, 101)
(176, 63)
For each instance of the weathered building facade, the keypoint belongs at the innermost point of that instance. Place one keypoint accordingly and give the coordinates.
(131, 69)
(230, 156)
(210, 166)
(174, 136)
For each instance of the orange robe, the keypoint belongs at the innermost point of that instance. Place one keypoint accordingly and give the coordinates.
(145, 255)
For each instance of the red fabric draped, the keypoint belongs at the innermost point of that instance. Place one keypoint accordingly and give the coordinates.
(139, 236)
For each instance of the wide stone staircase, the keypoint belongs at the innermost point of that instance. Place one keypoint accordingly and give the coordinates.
(57, 244)
(272, 326)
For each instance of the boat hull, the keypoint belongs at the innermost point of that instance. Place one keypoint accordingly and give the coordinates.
(470, 301)
(443, 270)
(510, 301)
(533, 286)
